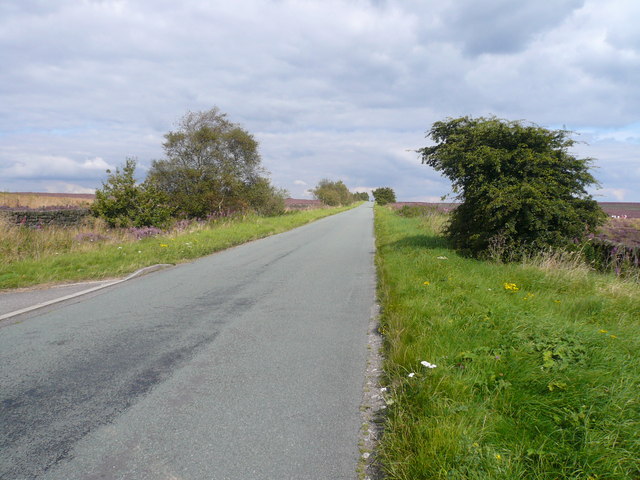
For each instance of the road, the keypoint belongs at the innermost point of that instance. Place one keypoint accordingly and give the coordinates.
(247, 364)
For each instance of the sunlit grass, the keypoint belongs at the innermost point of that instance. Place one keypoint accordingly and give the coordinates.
(48, 255)
(537, 371)
(35, 200)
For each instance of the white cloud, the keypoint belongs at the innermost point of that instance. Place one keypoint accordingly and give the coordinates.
(338, 89)
(299, 182)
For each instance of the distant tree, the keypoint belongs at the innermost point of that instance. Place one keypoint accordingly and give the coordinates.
(518, 185)
(384, 195)
(212, 165)
(332, 193)
(361, 196)
(123, 203)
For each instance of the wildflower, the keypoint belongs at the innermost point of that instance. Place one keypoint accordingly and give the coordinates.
(139, 251)
(442, 258)
(427, 283)
(511, 287)
(528, 296)
(602, 331)
(383, 389)
(613, 336)
(119, 248)
(498, 456)
(164, 245)
(427, 364)
(557, 301)
(411, 375)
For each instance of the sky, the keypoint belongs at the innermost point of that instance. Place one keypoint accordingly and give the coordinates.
(337, 89)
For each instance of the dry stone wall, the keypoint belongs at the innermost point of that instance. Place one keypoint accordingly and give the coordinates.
(41, 217)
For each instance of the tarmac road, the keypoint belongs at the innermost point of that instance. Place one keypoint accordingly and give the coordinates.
(247, 364)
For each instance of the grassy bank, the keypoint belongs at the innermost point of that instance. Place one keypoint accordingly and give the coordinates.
(30, 257)
(537, 371)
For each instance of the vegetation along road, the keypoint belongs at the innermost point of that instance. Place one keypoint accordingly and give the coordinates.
(247, 364)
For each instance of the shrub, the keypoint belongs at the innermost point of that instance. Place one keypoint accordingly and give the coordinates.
(384, 195)
(123, 203)
(517, 182)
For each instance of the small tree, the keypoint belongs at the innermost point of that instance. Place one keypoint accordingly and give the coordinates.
(123, 203)
(361, 196)
(384, 195)
(332, 193)
(211, 166)
(518, 184)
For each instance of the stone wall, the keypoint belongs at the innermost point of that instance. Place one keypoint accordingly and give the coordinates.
(38, 217)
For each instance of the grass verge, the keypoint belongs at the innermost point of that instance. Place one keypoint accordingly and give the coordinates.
(58, 257)
(537, 370)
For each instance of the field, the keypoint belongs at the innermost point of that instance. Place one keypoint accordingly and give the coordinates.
(494, 371)
(613, 209)
(39, 200)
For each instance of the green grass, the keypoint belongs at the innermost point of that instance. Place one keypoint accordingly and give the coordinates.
(542, 382)
(37, 257)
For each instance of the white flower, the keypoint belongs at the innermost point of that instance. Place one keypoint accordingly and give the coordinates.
(383, 389)
(428, 365)
(442, 258)
(119, 248)
(411, 375)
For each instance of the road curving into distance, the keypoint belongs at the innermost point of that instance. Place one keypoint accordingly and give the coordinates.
(247, 364)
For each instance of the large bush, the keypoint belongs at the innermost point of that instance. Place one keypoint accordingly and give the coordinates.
(520, 189)
(123, 203)
(384, 195)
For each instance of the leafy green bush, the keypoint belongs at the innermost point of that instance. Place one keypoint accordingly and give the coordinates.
(518, 185)
(123, 203)
(384, 195)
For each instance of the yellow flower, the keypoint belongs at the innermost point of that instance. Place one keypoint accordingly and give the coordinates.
(613, 336)
(512, 287)
(498, 456)
(427, 283)
(164, 245)
(602, 331)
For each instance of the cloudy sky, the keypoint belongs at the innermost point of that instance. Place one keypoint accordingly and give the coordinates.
(342, 89)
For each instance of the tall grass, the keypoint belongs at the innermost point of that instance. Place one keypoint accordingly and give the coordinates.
(36, 256)
(537, 368)
(35, 200)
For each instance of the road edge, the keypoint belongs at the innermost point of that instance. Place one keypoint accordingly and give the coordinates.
(137, 273)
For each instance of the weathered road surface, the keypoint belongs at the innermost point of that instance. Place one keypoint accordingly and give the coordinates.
(247, 364)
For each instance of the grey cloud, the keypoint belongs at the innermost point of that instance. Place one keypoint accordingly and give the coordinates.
(502, 26)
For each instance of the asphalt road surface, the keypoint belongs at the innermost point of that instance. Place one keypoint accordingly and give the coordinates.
(247, 364)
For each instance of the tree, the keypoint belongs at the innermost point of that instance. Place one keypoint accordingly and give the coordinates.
(518, 185)
(384, 195)
(361, 196)
(212, 165)
(332, 193)
(123, 203)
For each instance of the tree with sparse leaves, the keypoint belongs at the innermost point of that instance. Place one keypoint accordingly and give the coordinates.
(332, 193)
(213, 165)
(519, 187)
